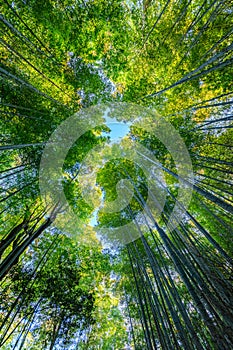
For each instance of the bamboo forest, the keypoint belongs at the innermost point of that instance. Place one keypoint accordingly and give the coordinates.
(116, 175)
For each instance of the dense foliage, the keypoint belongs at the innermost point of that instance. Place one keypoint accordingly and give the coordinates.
(66, 287)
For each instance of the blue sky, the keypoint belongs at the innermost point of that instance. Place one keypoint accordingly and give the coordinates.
(118, 129)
